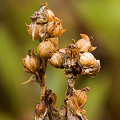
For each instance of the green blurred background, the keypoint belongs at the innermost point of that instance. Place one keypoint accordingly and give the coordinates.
(97, 18)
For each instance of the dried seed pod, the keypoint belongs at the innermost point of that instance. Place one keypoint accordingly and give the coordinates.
(54, 41)
(49, 14)
(44, 15)
(45, 49)
(76, 101)
(81, 95)
(36, 31)
(84, 44)
(40, 17)
(40, 111)
(51, 99)
(33, 30)
(56, 60)
(74, 116)
(31, 62)
(87, 60)
(54, 28)
(94, 70)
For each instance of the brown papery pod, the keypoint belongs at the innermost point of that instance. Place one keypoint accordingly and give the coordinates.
(31, 62)
(54, 41)
(87, 60)
(44, 15)
(49, 14)
(36, 31)
(77, 100)
(56, 60)
(82, 97)
(52, 99)
(93, 71)
(54, 28)
(45, 49)
(40, 111)
(84, 43)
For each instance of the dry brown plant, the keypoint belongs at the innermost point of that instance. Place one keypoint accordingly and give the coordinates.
(75, 59)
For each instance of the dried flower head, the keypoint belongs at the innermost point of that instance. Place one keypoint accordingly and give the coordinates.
(42, 16)
(75, 58)
(44, 24)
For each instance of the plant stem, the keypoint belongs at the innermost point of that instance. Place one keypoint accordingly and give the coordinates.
(42, 79)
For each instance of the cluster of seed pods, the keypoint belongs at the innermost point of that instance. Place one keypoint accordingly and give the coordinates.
(76, 59)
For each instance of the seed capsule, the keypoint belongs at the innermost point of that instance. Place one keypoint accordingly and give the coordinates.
(33, 30)
(49, 14)
(56, 60)
(54, 28)
(94, 70)
(84, 43)
(40, 111)
(77, 100)
(36, 31)
(45, 49)
(31, 62)
(87, 59)
(54, 41)
(82, 97)
(43, 16)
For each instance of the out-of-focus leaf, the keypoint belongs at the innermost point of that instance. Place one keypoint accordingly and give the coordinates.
(103, 19)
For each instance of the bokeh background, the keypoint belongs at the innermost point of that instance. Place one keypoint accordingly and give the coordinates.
(97, 18)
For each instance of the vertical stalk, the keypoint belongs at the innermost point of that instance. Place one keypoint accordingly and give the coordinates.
(42, 79)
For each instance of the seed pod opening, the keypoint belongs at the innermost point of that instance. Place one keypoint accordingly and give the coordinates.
(45, 49)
